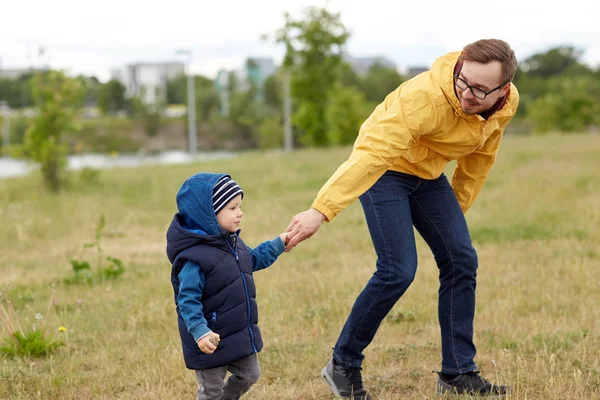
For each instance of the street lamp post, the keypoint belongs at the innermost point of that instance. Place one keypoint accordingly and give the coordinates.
(288, 142)
(191, 103)
(5, 112)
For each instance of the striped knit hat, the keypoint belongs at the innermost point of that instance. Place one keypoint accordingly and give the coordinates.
(224, 191)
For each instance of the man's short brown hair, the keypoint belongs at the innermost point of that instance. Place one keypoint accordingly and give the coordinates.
(487, 50)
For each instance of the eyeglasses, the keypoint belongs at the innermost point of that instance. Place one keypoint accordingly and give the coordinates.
(475, 91)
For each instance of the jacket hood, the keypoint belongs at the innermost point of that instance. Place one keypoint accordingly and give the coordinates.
(195, 204)
(196, 222)
(442, 72)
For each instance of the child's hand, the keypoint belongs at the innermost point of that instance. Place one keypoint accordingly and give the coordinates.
(208, 344)
(284, 238)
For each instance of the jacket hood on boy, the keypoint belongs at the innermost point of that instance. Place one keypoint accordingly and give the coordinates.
(195, 203)
(196, 221)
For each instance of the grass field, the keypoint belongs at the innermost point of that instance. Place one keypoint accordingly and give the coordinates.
(536, 227)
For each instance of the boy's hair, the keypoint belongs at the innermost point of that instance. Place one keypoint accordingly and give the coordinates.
(487, 50)
(224, 191)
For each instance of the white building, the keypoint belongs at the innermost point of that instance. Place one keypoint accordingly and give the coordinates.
(13, 73)
(16, 73)
(148, 81)
(362, 65)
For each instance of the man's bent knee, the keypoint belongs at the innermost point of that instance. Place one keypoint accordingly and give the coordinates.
(401, 276)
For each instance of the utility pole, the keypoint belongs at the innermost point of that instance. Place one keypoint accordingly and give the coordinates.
(287, 113)
(222, 83)
(5, 112)
(191, 103)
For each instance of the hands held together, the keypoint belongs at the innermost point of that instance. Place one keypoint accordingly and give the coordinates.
(302, 227)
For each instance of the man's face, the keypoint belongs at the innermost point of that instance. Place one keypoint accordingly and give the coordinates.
(482, 78)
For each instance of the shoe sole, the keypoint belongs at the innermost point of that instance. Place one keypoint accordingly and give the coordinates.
(445, 390)
(449, 395)
(329, 381)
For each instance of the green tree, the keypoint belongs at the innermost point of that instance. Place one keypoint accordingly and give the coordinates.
(534, 75)
(349, 77)
(273, 88)
(530, 88)
(379, 82)
(57, 100)
(91, 88)
(314, 57)
(177, 90)
(346, 112)
(148, 114)
(246, 113)
(207, 97)
(9, 92)
(564, 60)
(568, 106)
(270, 132)
(111, 97)
(24, 90)
(16, 92)
(233, 84)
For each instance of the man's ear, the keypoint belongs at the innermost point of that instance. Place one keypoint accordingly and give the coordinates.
(505, 89)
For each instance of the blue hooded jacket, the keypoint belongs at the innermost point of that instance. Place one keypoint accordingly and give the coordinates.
(212, 277)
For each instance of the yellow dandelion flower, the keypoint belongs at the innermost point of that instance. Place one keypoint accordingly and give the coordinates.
(62, 329)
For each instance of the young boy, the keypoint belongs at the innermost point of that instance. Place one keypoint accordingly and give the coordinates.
(213, 285)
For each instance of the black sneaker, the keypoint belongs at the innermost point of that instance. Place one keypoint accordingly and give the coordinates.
(470, 383)
(344, 382)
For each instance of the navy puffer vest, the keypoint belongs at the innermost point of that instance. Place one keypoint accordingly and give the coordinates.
(229, 294)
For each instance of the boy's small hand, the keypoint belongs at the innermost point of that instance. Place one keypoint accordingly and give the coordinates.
(284, 238)
(208, 344)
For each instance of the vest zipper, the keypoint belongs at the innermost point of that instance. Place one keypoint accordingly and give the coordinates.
(237, 259)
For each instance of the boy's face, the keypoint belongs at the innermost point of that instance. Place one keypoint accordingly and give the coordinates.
(231, 215)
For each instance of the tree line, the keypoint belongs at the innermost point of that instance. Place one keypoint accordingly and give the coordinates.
(329, 99)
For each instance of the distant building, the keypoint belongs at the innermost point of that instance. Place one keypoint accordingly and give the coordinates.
(13, 73)
(258, 70)
(414, 71)
(254, 72)
(148, 81)
(16, 73)
(362, 65)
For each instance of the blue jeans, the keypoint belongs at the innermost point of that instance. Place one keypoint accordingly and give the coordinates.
(392, 206)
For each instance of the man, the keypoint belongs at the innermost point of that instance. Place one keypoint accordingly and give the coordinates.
(456, 111)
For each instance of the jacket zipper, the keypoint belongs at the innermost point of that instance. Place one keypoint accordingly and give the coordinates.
(247, 294)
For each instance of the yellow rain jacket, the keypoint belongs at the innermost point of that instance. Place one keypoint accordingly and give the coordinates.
(417, 130)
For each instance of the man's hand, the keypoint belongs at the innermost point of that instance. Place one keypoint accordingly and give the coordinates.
(208, 344)
(303, 226)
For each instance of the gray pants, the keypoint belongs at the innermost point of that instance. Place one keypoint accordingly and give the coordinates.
(244, 374)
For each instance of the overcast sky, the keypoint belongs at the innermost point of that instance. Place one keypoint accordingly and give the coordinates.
(95, 37)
